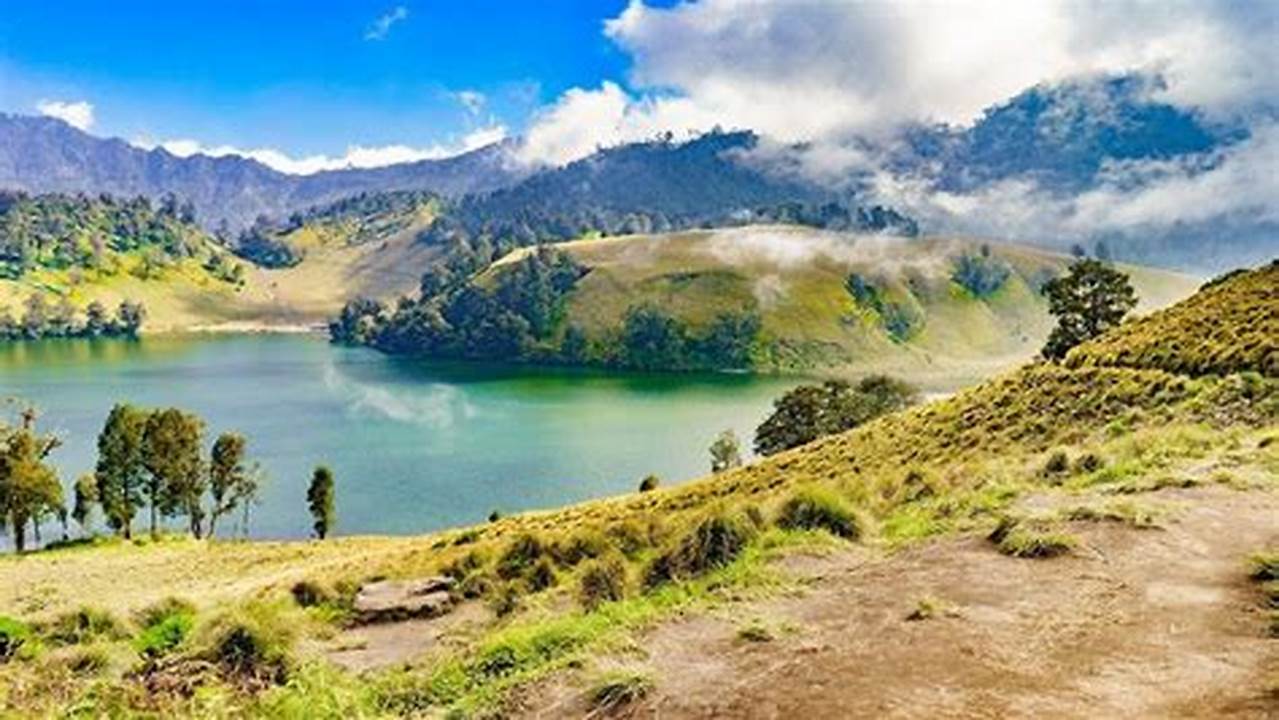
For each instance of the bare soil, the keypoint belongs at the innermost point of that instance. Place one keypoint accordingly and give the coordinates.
(1135, 623)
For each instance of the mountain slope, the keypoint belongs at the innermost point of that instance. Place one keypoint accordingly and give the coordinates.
(43, 155)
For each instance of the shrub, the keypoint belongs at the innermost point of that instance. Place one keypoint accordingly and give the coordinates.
(465, 566)
(309, 593)
(1264, 566)
(1030, 540)
(495, 516)
(505, 600)
(541, 576)
(13, 635)
(1058, 463)
(584, 545)
(1088, 463)
(165, 626)
(650, 482)
(618, 690)
(814, 509)
(83, 625)
(519, 556)
(476, 585)
(632, 538)
(88, 660)
(716, 540)
(251, 646)
(603, 580)
(756, 632)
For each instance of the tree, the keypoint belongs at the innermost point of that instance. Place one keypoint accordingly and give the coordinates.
(86, 495)
(1089, 300)
(319, 499)
(808, 412)
(129, 317)
(29, 488)
(120, 474)
(171, 455)
(227, 476)
(726, 452)
(96, 322)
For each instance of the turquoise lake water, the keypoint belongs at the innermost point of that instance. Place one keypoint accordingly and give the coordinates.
(415, 445)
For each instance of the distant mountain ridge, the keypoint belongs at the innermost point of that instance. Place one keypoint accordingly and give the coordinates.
(43, 155)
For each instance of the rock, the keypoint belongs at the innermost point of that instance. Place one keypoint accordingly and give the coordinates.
(392, 600)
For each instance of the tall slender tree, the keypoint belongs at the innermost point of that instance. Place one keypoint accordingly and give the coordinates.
(227, 476)
(319, 499)
(120, 472)
(171, 449)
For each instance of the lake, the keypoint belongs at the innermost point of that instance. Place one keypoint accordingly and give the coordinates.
(415, 445)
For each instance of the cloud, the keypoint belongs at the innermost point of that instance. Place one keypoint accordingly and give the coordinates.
(379, 28)
(78, 115)
(356, 156)
(802, 70)
(1132, 199)
(472, 100)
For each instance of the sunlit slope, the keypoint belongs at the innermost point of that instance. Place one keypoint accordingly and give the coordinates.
(373, 255)
(1231, 325)
(797, 279)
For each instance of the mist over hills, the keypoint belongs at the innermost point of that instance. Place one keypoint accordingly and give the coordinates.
(1099, 161)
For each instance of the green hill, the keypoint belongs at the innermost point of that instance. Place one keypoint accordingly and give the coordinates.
(773, 298)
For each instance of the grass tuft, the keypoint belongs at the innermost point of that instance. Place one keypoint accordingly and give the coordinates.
(818, 509)
(618, 690)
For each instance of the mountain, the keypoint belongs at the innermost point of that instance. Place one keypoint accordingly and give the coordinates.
(772, 298)
(43, 155)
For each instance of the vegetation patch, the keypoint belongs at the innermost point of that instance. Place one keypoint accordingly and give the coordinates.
(1031, 539)
(818, 509)
(713, 542)
(617, 690)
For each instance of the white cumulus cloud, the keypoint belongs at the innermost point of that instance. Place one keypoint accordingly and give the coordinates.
(800, 70)
(76, 114)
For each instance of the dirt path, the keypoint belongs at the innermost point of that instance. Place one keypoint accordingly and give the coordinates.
(1134, 624)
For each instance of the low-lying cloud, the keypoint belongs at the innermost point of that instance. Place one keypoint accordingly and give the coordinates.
(356, 156)
(77, 114)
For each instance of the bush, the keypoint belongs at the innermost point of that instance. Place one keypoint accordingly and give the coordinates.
(13, 635)
(83, 625)
(650, 482)
(251, 646)
(632, 538)
(505, 600)
(1088, 463)
(309, 593)
(1030, 540)
(602, 581)
(1058, 463)
(464, 566)
(716, 540)
(519, 556)
(165, 626)
(542, 576)
(618, 690)
(584, 545)
(814, 509)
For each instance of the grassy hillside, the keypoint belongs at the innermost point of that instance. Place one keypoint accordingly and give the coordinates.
(108, 250)
(1026, 457)
(912, 312)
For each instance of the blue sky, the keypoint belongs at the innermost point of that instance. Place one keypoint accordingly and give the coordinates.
(309, 85)
(304, 77)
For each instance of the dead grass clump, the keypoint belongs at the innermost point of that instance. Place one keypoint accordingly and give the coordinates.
(541, 576)
(85, 624)
(250, 646)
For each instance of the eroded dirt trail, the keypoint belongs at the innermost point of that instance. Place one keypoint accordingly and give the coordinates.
(1135, 623)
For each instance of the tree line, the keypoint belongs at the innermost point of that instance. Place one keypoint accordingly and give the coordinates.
(42, 319)
(150, 460)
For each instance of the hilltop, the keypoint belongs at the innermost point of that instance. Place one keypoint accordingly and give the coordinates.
(1017, 524)
(771, 297)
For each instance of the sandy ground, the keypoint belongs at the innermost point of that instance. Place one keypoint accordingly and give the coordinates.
(1156, 623)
